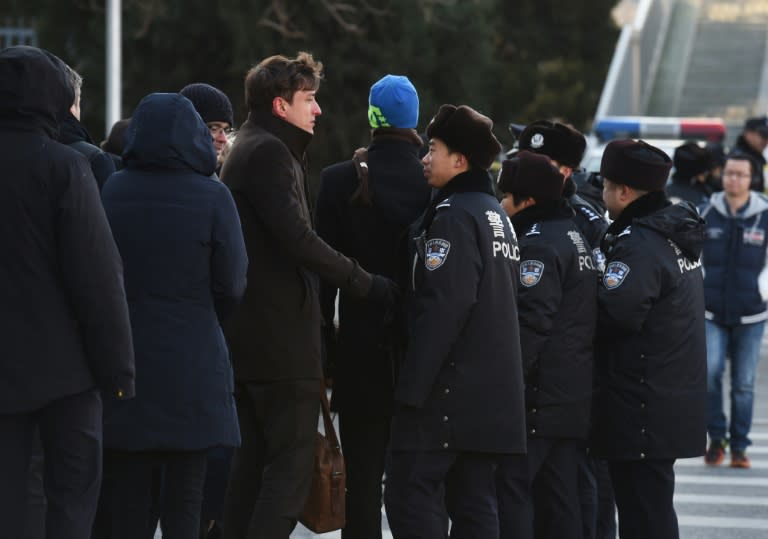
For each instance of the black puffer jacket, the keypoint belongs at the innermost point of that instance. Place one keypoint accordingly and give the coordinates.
(557, 304)
(651, 361)
(73, 134)
(63, 315)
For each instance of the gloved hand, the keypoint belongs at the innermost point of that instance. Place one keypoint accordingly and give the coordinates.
(384, 290)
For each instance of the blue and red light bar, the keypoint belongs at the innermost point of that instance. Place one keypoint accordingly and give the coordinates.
(650, 127)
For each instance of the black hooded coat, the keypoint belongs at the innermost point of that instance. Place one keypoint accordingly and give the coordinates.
(63, 315)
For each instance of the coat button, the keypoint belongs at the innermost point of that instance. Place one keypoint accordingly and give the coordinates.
(445, 419)
(447, 390)
(642, 356)
(445, 445)
(452, 364)
(533, 410)
(642, 431)
(533, 431)
(642, 405)
(642, 380)
(642, 455)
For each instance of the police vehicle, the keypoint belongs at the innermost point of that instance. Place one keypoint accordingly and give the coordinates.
(666, 133)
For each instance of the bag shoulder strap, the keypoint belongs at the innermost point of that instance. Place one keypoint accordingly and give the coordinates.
(362, 195)
(330, 431)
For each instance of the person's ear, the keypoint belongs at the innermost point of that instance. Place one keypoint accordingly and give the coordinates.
(278, 107)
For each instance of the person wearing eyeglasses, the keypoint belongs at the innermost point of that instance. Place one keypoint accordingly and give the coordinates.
(215, 108)
(735, 290)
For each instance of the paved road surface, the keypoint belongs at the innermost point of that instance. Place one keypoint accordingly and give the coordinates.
(711, 502)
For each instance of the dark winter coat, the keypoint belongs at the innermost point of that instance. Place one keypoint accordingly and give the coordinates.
(368, 348)
(557, 305)
(63, 315)
(460, 386)
(185, 268)
(689, 189)
(650, 361)
(735, 275)
(275, 332)
(74, 135)
(589, 217)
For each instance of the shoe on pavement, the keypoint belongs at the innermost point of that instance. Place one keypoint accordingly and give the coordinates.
(739, 459)
(716, 453)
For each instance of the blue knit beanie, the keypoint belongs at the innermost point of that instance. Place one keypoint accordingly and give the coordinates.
(393, 102)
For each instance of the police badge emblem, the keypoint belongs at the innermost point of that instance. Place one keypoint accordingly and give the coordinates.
(615, 273)
(531, 272)
(537, 141)
(436, 251)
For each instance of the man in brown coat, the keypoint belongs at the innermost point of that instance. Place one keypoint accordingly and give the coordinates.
(274, 338)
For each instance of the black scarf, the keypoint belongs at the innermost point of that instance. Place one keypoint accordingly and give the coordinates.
(295, 138)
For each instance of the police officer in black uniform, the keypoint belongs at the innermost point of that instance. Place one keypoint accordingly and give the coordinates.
(565, 146)
(557, 307)
(650, 359)
(459, 397)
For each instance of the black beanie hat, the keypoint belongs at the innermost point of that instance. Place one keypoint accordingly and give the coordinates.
(690, 160)
(466, 131)
(636, 164)
(531, 175)
(211, 104)
(557, 141)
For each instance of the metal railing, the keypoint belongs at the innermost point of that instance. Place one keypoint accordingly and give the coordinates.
(635, 61)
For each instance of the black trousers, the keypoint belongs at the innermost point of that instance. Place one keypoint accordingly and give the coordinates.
(364, 442)
(147, 485)
(553, 509)
(272, 470)
(644, 491)
(424, 489)
(71, 436)
(598, 506)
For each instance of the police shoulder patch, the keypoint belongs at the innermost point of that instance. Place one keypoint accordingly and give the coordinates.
(615, 273)
(531, 272)
(436, 251)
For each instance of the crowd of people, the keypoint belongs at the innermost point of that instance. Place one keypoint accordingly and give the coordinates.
(510, 357)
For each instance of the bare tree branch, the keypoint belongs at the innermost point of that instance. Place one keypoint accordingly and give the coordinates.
(277, 17)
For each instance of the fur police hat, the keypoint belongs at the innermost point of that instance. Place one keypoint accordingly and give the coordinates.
(531, 175)
(466, 131)
(636, 164)
(393, 102)
(555, 140)
(690, 160)
(211, 104)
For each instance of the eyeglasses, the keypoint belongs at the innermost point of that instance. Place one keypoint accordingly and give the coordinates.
(217, 130)
(736, 174)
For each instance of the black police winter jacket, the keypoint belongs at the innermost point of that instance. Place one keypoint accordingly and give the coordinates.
(557, 306)
(460, 386)
(650, 362)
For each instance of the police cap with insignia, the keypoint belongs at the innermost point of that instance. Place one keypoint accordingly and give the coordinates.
(466, 131)
(556, 140)
(531, 175)
(635, 163)
(690, 160)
